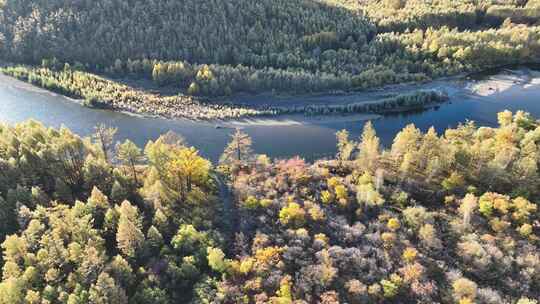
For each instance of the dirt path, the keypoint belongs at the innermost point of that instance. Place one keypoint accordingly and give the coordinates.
(230, 214)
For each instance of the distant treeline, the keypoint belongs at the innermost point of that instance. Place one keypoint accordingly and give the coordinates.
(217, 48)
(403, 15)
(416, 100)
(441, 52)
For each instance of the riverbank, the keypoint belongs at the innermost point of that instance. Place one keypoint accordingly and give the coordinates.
(98, 92)
(505, 80)
(281, 136)
(296, 120)
(102, 93)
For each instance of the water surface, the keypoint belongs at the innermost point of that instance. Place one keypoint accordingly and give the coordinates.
(520, 90)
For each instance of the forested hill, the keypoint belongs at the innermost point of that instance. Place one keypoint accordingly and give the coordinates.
(213, 31)
(216, 48)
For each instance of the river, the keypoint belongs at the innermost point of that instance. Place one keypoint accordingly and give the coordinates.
(478, 98)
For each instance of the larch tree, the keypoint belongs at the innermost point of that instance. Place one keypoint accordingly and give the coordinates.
(130, 155)
(98, 200)
(11, 292)
(129, 236)
(161, 151)
(187, 168)
(467, 207)
(106, 291)
(68, 159)
(238, 150)
(405, 147)
(344, 145)
(104, 138)
(173, 139)
(369, 148)
(406, 140)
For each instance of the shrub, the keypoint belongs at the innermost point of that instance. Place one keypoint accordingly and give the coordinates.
(251, 203)
(428, 236)
(525, 230)
(390, 289)
(453, 182)
(527, 301)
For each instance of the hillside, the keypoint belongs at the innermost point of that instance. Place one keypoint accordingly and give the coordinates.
(259, 33)
(217, 48)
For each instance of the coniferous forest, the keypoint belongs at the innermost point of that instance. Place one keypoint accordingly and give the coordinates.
(450, 217)
(221, 48)
(435, 218)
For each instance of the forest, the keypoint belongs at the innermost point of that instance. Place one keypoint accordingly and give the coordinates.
(432, 218)
(221, 48)
(447, 217)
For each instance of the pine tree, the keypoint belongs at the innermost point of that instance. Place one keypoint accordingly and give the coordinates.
(8, 218)
(194, 89)
(154, 238)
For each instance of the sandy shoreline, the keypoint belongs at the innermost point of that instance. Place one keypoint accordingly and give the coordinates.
(343, 98)
(507, 79)
(295, 119)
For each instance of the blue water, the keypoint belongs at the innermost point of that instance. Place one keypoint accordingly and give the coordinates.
(20, 101)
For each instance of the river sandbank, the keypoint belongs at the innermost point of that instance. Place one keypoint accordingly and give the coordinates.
(106, 94)
(267, 110)
(277, 136)
(296, 119)
(504, 81)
